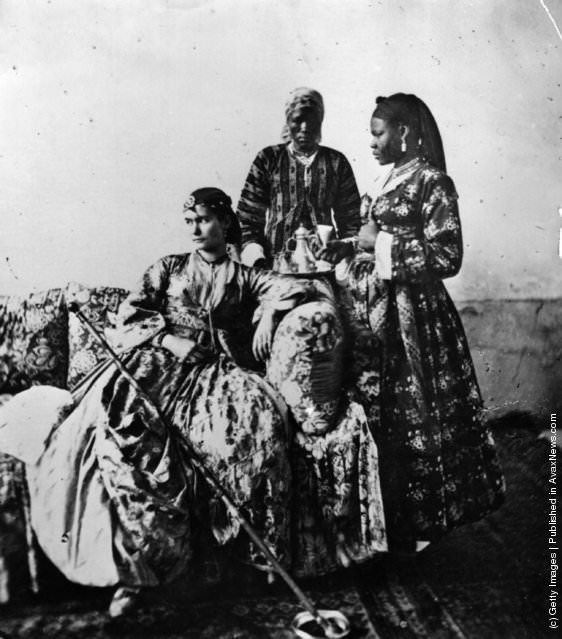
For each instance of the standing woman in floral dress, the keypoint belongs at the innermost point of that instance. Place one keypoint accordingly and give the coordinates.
(438, 462)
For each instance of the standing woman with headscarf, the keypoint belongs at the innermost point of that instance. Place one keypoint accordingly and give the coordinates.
(297, 182)
(338, 518)
(300, 183)
(438, 462)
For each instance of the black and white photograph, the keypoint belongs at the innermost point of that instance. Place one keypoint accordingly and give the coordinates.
(280, 319)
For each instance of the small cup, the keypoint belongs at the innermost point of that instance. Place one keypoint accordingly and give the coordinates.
(324, 232)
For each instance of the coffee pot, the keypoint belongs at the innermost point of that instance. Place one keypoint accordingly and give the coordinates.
(299, 250)
(299, 255)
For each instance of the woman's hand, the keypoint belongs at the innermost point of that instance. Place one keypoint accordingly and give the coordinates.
(368, 236)
(182, 347)
(263, 337)
(263, 264)
(335, 251)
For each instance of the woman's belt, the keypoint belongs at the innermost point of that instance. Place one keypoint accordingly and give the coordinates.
(405, 232)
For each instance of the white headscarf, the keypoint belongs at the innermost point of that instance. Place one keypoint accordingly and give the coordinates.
(302, 97)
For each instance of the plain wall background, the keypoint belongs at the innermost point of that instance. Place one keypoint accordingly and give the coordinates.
(112, 112)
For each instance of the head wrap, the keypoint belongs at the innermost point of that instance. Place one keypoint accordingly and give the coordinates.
(303, 98)
(221, 204)
(408, 109)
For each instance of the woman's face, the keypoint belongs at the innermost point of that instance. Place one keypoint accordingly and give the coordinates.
(304, 128)
(385, 141)
(206, 230)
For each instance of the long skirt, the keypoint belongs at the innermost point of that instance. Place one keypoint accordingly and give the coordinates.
(414, 375)
(115, 498)
(337, 514)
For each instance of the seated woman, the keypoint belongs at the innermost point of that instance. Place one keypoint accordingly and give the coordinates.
(114, 499)
(438, 462)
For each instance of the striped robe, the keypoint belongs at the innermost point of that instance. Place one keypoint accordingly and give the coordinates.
(280, 193)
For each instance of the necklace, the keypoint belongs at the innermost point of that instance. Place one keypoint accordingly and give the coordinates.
(302, 156)
(399, 174)
(405, 168)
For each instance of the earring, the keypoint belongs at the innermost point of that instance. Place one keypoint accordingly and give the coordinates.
(403, 146)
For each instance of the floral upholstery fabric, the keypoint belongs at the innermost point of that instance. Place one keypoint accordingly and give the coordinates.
(33, 341)
(99, 305)
(12, 378)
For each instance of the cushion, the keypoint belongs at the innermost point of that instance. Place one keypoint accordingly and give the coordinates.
(33, 346)
(99, 305)
(28, 418)
(306, 364)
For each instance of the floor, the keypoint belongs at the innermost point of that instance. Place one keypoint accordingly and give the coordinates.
(483, 581)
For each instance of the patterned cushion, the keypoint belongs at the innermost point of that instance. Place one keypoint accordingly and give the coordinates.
(100, 306)
(306, 364)
(33, 341)
(11, 344)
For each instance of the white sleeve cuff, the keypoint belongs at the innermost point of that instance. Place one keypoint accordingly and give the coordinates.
(251, 253)
(383, 255)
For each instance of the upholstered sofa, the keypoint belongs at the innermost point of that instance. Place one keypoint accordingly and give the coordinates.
(41, 342)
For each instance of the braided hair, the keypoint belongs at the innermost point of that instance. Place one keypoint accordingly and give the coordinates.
(409, 110)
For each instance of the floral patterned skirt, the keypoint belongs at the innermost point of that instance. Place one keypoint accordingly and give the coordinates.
(337, 508)
(338, 515)
(114, 497)
(414, 375)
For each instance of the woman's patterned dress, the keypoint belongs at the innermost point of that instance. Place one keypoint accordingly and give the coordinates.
(412, 366)
(114, 497)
